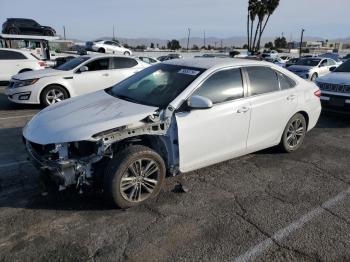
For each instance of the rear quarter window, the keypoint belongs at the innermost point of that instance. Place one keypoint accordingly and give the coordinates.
(262, 80)
(123, 62)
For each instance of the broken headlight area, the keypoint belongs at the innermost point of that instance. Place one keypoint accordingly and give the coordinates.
(67, 163)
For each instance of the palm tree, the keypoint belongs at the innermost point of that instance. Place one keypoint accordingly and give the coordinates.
(269, 8)
(252, 12)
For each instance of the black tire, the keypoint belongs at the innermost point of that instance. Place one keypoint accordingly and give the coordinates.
(48, 33)
(51, 88)
(313, 77)
(117, 169)
(13, 31)
(294, 133)
(101, 50)
(126, 53)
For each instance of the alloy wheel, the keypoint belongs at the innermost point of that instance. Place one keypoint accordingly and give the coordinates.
(139, 180)
(53, 96)
(295, 133)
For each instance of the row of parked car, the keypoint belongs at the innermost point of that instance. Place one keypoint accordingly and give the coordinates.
(83, 74)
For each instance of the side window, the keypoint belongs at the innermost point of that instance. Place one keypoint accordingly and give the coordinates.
(123, 62)
(285, 81)
(11, 55)
(331, 62)
(98, 64)
(262, 80)
(324, 62)
(222, 86)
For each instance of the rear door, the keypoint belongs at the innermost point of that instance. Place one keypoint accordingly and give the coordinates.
(273, 103)
(122, 68)
(11, 62)
(96, 78)
(208, 136)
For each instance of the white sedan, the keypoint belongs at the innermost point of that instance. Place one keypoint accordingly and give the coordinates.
(111, 47)
(14, 61)
(176, 116)
(81, 75)
(313, 67)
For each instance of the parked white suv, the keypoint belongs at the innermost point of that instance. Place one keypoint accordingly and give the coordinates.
(335, 88)
(81, 75)
(176, 116)
(312, 67)
(111, 47)
(14, 61)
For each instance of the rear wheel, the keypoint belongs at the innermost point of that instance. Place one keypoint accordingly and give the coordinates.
(13, 31)
(135, 176)
(48, 33)
(53, 94)
(126, 53)
(294, 133)
(101, 50)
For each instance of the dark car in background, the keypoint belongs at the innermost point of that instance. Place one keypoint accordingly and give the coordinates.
(169, 57)
(24, 26)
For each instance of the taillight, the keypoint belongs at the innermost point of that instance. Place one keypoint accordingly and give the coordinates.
(41, 63)
(318, 93)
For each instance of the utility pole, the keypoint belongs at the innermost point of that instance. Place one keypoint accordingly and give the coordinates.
(204, 39)
(301, 41)
(64, 32)
(188, 38)
(221, 44)
(113, 33)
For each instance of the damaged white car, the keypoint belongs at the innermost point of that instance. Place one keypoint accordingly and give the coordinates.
(172, 117)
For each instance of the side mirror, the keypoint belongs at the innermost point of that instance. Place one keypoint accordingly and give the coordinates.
(332, 68)
(83, 69)
(199, 102)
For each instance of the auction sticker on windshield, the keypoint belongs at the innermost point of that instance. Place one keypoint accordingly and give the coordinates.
(188, 72)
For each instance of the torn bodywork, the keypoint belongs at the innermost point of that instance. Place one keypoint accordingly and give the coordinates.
(76, 163)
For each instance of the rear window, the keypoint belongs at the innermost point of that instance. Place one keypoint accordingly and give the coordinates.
(285, 81)
(11, 55)
(123, 62)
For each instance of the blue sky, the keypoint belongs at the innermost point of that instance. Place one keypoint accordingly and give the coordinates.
(164, 19)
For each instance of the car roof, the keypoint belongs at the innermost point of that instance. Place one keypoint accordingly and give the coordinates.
(94, 55)
(208, 63)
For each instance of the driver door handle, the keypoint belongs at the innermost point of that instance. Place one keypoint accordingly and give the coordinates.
(106, 74)
(243, 110)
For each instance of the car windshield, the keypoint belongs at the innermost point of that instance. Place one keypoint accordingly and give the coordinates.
(344, 67)
(157, 85)
(73, 63)
(309, 62)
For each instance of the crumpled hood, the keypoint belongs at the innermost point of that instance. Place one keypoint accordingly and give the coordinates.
(296, 68)
(39, 74)
(81, 117)
(340, 78)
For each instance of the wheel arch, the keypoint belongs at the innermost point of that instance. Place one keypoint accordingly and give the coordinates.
(157, 143)
(306, 116)
(25, 70)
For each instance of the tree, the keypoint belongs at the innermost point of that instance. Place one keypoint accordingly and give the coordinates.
(152, 45)
(195, 47)
(262, 10)
(269, 45)
(245, 46)
(173, 44)
(281, 42)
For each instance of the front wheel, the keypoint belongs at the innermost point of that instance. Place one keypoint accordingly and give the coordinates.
(52, 95)
(126, 53)
(134, 176)
(313, 77)
(294, 133)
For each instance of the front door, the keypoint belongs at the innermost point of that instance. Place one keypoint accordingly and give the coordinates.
(213, 135)
(96, 78)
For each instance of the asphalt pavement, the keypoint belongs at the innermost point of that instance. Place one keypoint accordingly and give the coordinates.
(266, 206)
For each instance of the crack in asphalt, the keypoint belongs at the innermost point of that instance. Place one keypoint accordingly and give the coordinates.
(336, 215)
